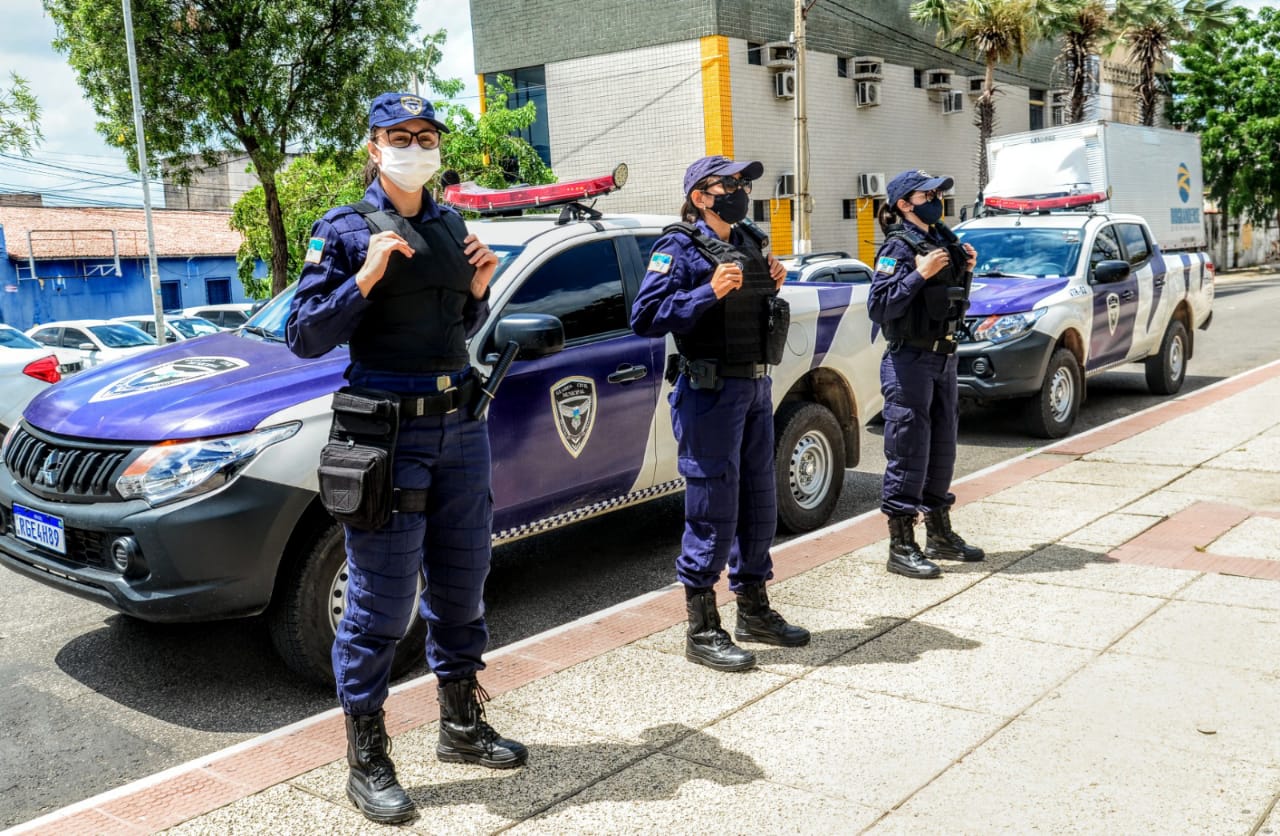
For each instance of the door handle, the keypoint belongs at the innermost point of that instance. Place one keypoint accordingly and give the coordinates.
(1128, 294)
(627, 373)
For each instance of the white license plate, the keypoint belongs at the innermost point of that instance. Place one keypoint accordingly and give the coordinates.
(44, 530)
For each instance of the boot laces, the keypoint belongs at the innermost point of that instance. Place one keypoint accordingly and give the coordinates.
(379, 767)
(483, 729)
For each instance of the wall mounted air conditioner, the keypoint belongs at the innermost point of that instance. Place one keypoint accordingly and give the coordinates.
(871, 184)
(784, 84)
(868, 93)
(867, 68)
(937, 80)
(953, 101)
(779, 55)
(785, 186)
(975, 84)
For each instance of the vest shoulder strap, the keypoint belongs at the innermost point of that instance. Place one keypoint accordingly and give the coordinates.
(713, 248)
(378, 220)
(916, 243)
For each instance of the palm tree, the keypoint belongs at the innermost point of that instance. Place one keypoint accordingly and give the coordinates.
(1086, 27)
(994, 32)
(1149, 28)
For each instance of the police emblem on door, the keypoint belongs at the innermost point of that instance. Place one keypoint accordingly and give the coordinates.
(1113, 311)
(573, 407)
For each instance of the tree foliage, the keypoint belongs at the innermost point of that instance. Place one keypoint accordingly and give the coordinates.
(19, 117)
(1086, 29)
(1228, 91)
(265, 76)
(487, 148)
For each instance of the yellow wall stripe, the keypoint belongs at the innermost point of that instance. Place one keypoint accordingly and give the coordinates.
(780, 226)
(717, 98)
(866, 230)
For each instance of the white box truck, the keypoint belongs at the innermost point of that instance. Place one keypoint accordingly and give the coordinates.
(1154, 173)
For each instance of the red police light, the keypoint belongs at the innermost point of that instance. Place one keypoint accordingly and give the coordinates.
(475, 198)
(46, 369)
(1044, 204)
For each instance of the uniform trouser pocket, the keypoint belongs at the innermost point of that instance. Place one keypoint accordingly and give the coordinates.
(355, 484)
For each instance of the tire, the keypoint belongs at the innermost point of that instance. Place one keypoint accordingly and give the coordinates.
(1167, 370)
(310, 599)
(809, 465)
(1052, 411)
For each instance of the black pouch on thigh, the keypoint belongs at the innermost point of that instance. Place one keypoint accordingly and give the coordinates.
(777, 322)
(356, 465)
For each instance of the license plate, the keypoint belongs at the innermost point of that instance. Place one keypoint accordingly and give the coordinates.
(44, 530)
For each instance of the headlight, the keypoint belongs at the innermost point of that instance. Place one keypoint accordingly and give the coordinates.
(176, 470)
(1005, 327)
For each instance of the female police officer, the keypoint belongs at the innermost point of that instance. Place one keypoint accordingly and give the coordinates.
(918, 296)
(710, 286)
(398, 278)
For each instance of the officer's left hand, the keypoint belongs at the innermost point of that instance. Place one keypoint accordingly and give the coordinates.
(777, 272)
(484, 260)
(973, 256)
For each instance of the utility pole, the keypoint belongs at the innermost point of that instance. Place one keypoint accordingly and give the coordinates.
(156, 301)
(804, 204)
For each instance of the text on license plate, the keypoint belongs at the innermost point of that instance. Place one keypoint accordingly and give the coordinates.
(42, 529)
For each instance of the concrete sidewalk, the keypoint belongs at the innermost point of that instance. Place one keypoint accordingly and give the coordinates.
(1111, 667)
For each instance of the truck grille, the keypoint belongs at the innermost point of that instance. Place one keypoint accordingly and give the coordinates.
(57, 469)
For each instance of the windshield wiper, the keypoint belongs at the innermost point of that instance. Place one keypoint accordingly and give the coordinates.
(996, 274)
(259, 331)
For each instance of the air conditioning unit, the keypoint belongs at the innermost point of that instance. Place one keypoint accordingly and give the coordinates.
(975, 84)
(779, 55)
(871, 184)
(868, 93)
(953, 101)
(867, 68)
(785, 186)
(937, 80)
(784, 84)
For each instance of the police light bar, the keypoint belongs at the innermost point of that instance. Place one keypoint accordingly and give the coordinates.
(475, 198)
(1044, 204)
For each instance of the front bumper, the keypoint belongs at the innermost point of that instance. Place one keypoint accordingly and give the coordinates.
(1012, 369)
(210, 557)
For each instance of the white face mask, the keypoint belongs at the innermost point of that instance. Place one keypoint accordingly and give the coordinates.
(409, 168)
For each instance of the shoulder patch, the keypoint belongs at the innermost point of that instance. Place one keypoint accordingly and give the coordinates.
(315, 249)
(885, 264)
(660, 263)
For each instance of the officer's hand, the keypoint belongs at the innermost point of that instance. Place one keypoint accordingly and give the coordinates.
(381, 246)
(726, 279)
(485, 262)
(777, 272)
(932, 262)
(973, 256)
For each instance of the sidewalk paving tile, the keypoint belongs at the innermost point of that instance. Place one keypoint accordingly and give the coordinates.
(1261, 453)
(1206, 709)
(1035, 524)
(1088, 472)
(864, 587)
(1233, 591)
(1090, 568)
(1271, 827)
(1041, 493)
(1162, 503)
(1260, 491)
(283, 811)
(1034, 777)
(1211, 634)
(1042, 612)
(1255, 537)
(979, 672)
(1113, 530)
(666, 795)
(843, 743)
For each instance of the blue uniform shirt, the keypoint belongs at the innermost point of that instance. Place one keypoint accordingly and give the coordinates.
(328, 304)
(676, 290)
(896, 282)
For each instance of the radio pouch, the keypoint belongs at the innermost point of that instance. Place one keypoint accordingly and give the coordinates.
(355, 475)
(777, 322)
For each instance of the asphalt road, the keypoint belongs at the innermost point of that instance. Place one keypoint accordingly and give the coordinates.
(90, 700)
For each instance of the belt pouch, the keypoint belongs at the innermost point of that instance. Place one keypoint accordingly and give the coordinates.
(355, 472)
(777, 322)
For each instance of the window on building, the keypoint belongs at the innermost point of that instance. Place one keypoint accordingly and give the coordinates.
(217, 291)
(918, 78)
(842, 67)
(1035, 109)
(582, 287)
(760, 211)
(170, 295)
(531, 86)
(949, 207)
(850, 208)
(755, 53)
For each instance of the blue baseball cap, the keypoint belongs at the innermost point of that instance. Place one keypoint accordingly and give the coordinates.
(915, 180)
(393, 108)
(708, 166)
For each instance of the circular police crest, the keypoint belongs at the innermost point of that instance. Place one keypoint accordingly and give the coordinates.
(412, 104)
(573, 410)
(169, 374)
(1113, 311)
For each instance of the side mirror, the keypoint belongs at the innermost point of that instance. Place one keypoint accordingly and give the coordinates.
(537, 334)
(1111, 270)
(964, 212)
(87, 347)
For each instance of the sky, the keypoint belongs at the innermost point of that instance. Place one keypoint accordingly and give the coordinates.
(75, 165)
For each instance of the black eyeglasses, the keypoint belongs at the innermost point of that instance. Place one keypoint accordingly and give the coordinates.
(928, 196)
(731, 184)
(401, 138)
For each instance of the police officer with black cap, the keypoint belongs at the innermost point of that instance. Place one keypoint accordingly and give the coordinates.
(918, 296)
(400, 279)
(710, 285)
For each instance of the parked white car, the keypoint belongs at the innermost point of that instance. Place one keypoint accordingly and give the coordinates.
(176, 328)
(831, 267)
(26, 367)
(228, 317)
(91, 342)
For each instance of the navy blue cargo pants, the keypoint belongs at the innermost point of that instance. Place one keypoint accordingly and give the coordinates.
(921, 420)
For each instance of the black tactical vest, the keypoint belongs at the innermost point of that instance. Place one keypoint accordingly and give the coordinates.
(938, 309)
(415, 323)
(734, 330)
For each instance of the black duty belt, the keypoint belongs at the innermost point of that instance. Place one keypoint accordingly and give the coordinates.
(942, 345)
(752, 371)
(440, 403)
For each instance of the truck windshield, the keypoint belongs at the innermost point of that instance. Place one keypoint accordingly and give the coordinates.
(1024, 253)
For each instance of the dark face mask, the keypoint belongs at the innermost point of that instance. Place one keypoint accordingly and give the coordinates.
(732, 207)
(930, 212)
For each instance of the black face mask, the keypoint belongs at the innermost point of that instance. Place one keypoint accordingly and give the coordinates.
(731, 207)
(930, 212)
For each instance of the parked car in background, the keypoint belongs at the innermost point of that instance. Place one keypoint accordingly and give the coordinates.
(91, 342)
(228, 317)
(837, 267)
(176, 328)
(26, 367)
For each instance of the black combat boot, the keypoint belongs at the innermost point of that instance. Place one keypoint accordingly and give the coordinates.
(465, 737)
(372, 785)
(905, 557)
(706, 643)
(758, 622)
(941, 543)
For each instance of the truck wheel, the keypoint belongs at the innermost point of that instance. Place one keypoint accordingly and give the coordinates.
(311, 598)
(1166, 370)
(809, 455)
(1051, 412)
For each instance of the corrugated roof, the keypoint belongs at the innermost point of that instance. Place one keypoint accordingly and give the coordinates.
(85, 232)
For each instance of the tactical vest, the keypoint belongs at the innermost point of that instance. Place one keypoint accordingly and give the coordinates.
(415, 321)
(737, 328)
(938, 310)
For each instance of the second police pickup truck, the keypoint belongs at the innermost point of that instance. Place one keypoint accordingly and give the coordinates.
(180, 485)
(1090, 256)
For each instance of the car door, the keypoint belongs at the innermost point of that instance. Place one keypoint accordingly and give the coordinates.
(72, 339)
(1115, 304)
(571, 430)
(1149, 275)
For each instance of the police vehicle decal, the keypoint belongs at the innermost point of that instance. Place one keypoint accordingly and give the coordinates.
(586, 512)
(573, 406)
(1000, 296)
(836, 299)
(1159, 273)
(173, 373)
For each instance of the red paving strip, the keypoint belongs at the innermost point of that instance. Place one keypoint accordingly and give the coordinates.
(1178, 543)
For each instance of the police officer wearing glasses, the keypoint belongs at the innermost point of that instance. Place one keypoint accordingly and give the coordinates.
(918, 296)
(710, 285)
(401, 281)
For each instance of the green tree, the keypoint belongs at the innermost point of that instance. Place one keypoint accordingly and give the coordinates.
(260, 75)
(1086, 31)
(487, 149)
(19, 117)
(1228, 91)
(993, 32)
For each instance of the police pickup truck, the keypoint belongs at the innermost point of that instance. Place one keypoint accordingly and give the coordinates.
(180, 485)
